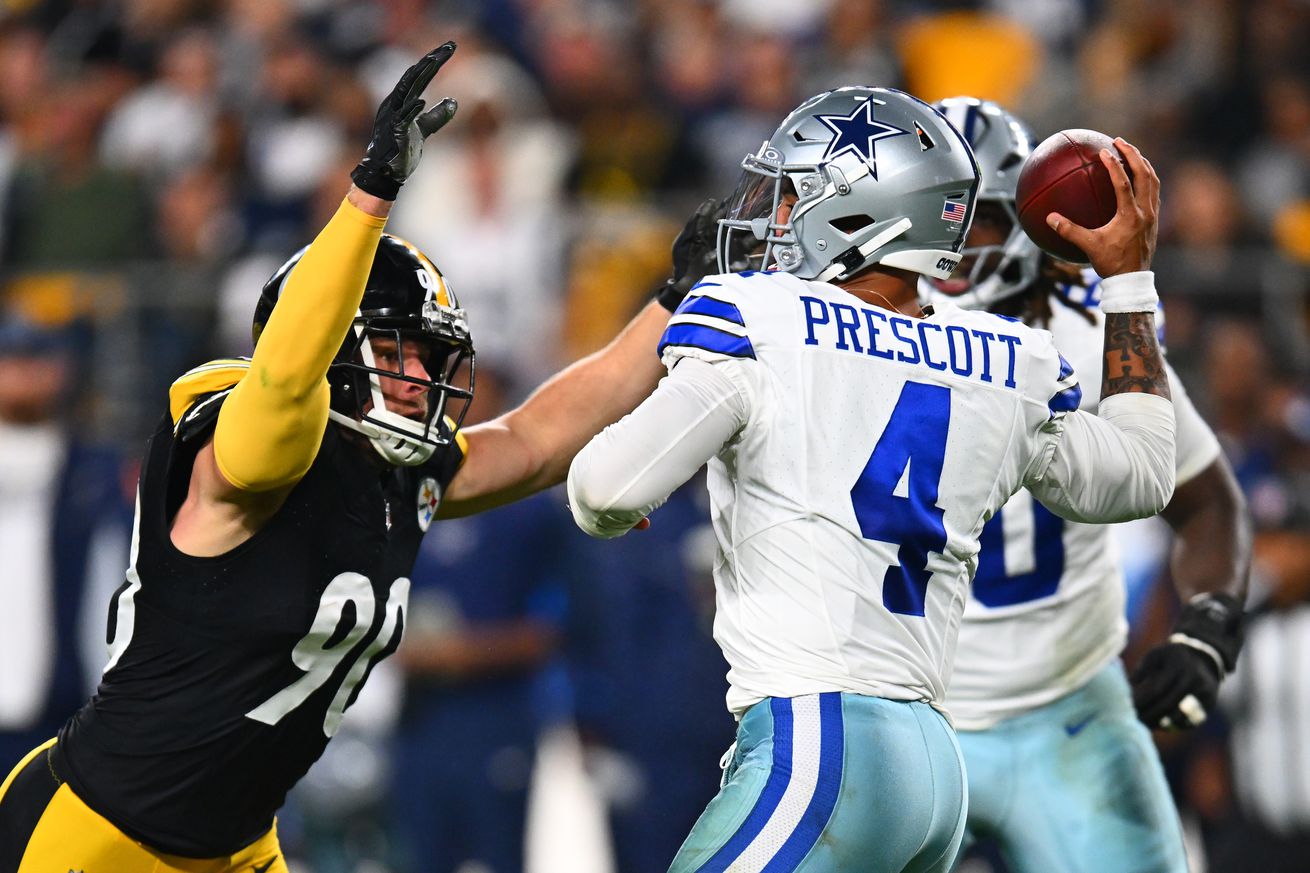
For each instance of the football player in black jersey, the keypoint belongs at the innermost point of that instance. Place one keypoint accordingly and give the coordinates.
(280, 507)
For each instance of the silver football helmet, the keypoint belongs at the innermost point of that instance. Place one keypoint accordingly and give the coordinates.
(855, 177)
(990, 273)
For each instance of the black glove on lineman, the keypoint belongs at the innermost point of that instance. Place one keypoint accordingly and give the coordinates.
(695, 253)
(1177, 683)
(399, 129)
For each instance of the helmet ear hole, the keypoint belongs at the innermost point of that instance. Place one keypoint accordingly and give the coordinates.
(851, 224)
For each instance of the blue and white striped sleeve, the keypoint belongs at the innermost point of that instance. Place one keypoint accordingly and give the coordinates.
(708, 326)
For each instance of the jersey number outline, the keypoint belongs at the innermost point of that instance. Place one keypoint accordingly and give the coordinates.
(122, 606)
(895, 497)
(321, 651)
(1021, 555)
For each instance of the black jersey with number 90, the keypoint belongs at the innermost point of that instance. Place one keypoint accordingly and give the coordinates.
(228, 675)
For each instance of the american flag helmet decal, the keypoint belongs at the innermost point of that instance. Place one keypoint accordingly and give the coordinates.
(954, 211)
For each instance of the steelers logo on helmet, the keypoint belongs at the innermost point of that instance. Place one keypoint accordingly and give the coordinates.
(853, 177)
(998, 260)
(407, 359)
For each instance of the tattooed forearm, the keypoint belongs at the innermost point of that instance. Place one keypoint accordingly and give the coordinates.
(1132, 356)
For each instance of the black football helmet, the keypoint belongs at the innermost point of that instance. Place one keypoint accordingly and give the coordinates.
(405, 298)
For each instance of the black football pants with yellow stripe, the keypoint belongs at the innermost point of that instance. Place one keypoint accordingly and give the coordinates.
(45, 827)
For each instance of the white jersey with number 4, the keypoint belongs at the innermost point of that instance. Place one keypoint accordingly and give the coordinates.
(1046, 610)
(848, 507)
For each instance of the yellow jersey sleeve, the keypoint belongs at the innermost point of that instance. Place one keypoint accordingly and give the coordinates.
(272, 423)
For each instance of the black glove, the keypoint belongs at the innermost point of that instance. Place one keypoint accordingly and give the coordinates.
(1177, 683)
(695, 253)
(399, 129)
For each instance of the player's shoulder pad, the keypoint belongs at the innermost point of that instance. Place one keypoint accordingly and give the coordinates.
(443, 465)
(1053, 379)
(196, 396)
(709, 323)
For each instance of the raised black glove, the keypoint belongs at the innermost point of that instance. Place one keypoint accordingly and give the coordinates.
(399, 129)
(1177, 683)
(695, 254)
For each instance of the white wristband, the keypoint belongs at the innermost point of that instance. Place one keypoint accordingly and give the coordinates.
(1129, 292)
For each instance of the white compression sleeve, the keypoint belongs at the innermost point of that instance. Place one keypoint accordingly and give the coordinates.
(1114, 466)
(631, 467)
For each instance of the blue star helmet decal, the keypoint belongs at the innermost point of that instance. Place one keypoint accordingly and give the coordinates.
(857, 133)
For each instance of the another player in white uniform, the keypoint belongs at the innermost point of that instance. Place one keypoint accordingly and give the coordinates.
(1061, 773)
(856, 446)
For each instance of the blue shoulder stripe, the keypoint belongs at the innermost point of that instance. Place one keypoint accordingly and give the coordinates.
(1067, 400)
(1066, 369)
(707, 338)
(712, 307)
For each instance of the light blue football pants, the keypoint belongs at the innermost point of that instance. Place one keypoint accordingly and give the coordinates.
(834, 783)
(1074, 786)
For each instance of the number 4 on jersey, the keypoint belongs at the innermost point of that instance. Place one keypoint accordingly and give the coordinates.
(895, 498)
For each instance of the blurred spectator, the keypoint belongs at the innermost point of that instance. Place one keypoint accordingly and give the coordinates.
(644, 639)
(64, 534)
(168, 125)
(1291, 230)
(1142, 64)
(688, 54)
(198, 225)
(777, 16)
(621, 255)
(858, 48)
(1267, 703)
(248, 32)
(67, 209)
(488, 207)
(23, 77)
(291, 142)
(1203, 238)
(484, 619)
(1261, 423)
(765, 74)
(1275, 171)
(969, 52)
(594, 74)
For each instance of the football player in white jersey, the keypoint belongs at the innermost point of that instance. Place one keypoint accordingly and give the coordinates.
(856, 446)
(1061, 773)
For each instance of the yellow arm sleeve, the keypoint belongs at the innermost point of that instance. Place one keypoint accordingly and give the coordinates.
(271, 426)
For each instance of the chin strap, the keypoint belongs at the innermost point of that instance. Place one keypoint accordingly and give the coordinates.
(396, 448)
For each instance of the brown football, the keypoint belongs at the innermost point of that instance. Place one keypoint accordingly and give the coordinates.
(1065, 174)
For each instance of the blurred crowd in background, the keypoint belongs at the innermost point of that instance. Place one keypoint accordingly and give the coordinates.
(160, 158)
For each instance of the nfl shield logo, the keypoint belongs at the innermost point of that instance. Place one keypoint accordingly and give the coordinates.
(429, 498)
